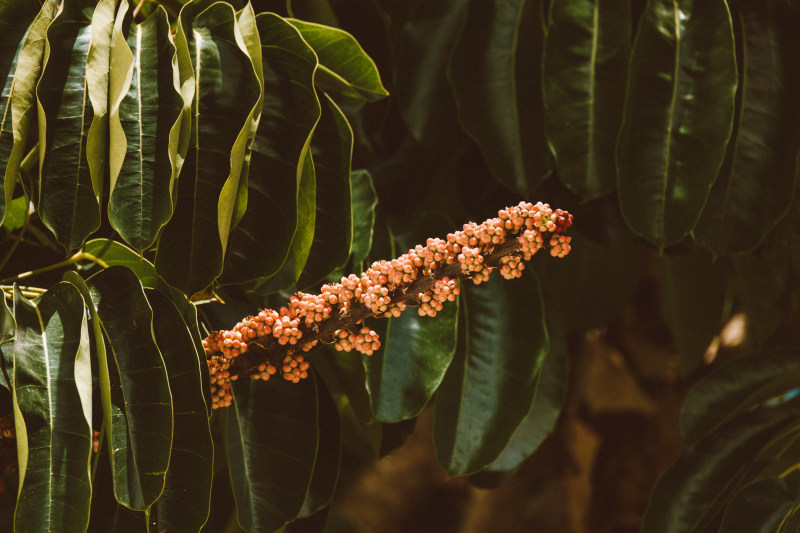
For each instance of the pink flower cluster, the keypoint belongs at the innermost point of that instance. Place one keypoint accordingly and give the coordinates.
(382, 290)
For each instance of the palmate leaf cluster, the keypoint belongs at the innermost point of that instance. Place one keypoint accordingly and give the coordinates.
(239, 151)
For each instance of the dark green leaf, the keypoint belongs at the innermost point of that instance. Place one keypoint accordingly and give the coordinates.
(734, 388)
(332, 149)
(344, 66)
(278, 154)
(692, 300)
(184, 504)
(759, 174)
(495, 72)
(585, 62)
(7, 325)
(311, 524)
(225, 91)
(365, 201)
(69, 193)
(761, 506)
(690, 496)
(490, 385)
(271, 442)
(107, 515)
(144, 129)
(678, 116)
(15, 18)
(137, 405)
(52, 411)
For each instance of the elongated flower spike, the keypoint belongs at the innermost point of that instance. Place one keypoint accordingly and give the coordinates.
(425, 277)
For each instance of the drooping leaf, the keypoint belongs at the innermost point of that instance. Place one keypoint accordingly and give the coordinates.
(490, 385)
(8, 329)
(262, 240)
(144, 126)
(365, 201)
(693, 295)
(332, 150)
(108, 516)
(691, 494)
(585, 62)
(416, 351)
(7, 325)
(184, 504)
(192, 244)
(68, 193)
(678, 116)
(15, 18)
(134, 387)
(344, 66)
(495, 73)
(736, 387)
(52, 411)
(271, 442)
(761, 507)
(760, 171)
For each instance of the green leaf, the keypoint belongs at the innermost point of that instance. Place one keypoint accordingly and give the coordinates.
(184, 505)
(344, 66)
(365, 201)
(760, 164)
(52, 411)
(107, 515)
(271, 443)
(144, 126)
(585, 61)
(137, 404)
(735, 387)
(16, 213)
(7, 325)
(192, 244)
(416, 352)
(262, 240)
(678, 116)
(761, 506)
(15, 18)
(693, 301)
(8, 329)
(68, 193)
(690, 495)
(495, 73)
(490, 385)
(332, 150)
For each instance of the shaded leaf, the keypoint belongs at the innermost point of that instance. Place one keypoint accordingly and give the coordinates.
(678, 116)
(365, 201)
(68, 197)
(734, 388)
(184, 505)
(332, 150)
(144, 128)
(489, 387)
(585, 61)
(344, 67)
(271, 442)
(192, 244)
(495, 73)
(52, 411)
(760, 169)
(278, 154)
(107, 515)
(761, 506)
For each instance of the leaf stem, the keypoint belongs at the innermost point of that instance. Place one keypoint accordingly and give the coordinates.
(78, 256)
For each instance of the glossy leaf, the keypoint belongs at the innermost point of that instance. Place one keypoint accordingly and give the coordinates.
(416, 351)
(332, 150)
(495, 73)
(7, 325)
(144, 128)
(137, 404)
(760, 169)
(192, 244)
(7, 331)
(271, 444)
(690, 495)
(490, 385)
(585, 62)
(184, 505)
(107, 515)
(52, 411)
(736, 387)
(678, 116)
(344, 66)
(365, 201)
(15, 18)
(68, 193)
(278, 154)
(693, 293)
